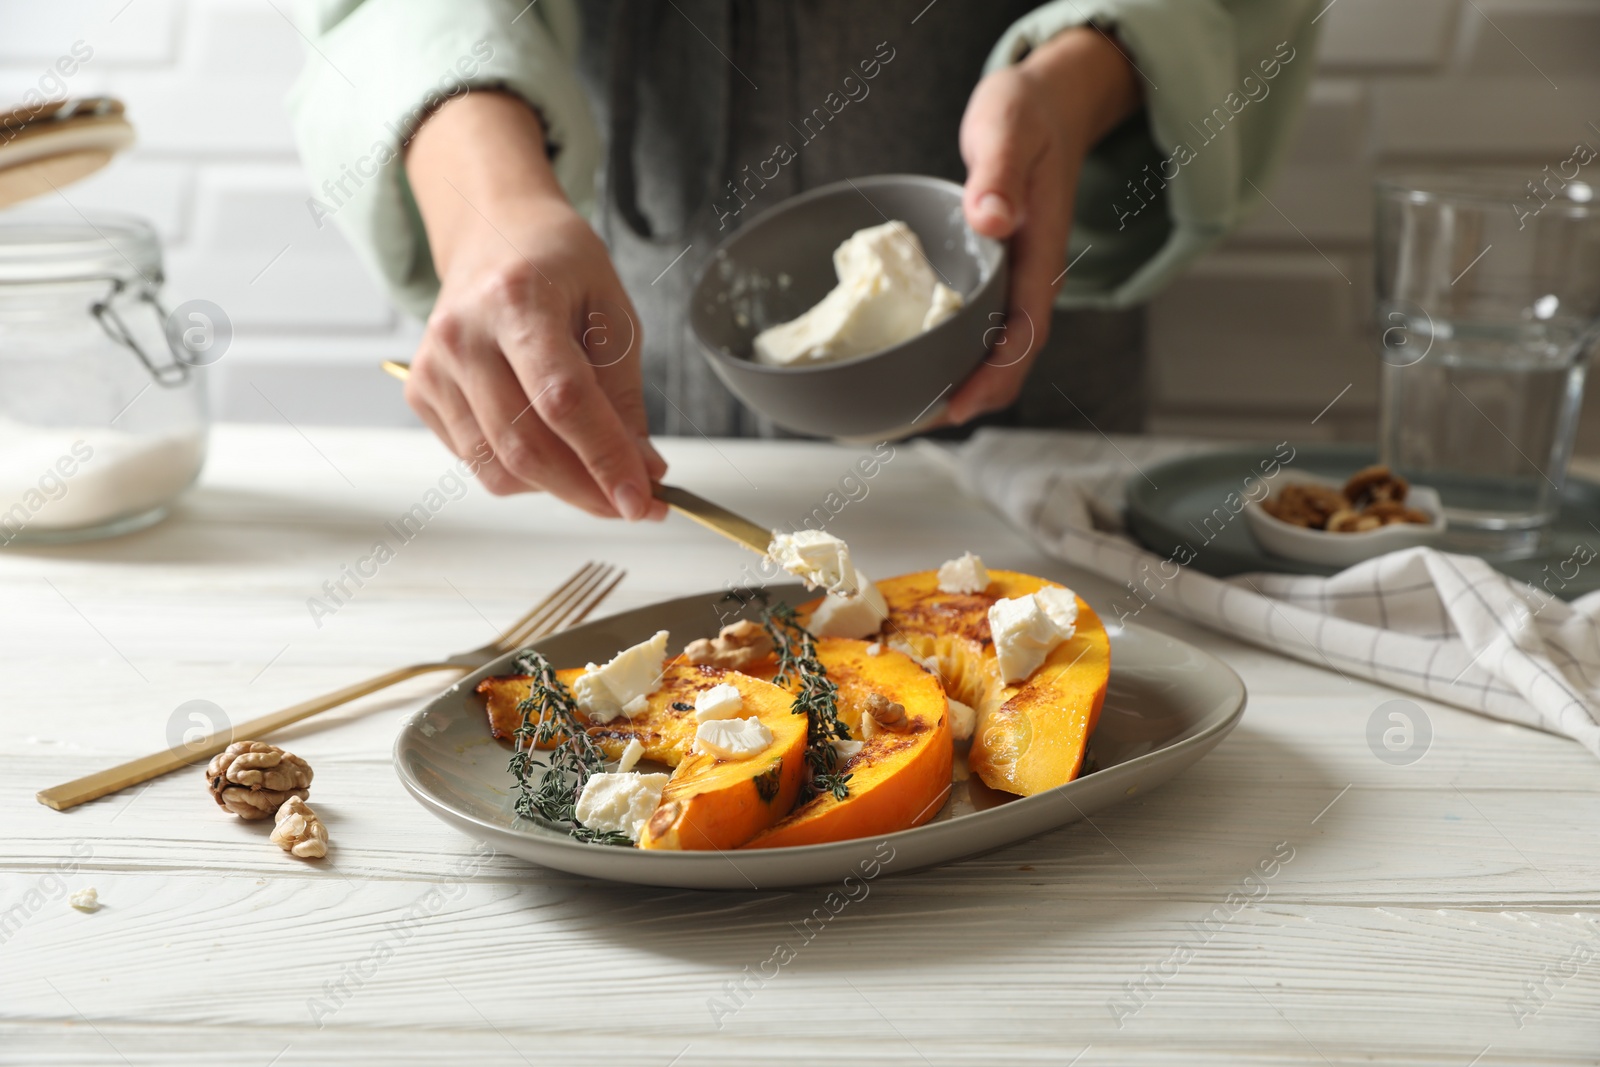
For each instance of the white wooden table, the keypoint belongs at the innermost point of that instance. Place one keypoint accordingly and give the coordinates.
(1421, 905)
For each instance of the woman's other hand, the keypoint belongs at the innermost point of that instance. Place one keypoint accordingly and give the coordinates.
(1024, 137)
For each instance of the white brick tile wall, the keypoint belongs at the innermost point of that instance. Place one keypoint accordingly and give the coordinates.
(1511, 37)
(1321, 202)
(235, 115)
(244, 38)
(1276, 333)
(161, 191)
(1386, 33)
(39, 31)
(1250, 344)
(331, 378)
(256, 252)
(1287, 292)
(1258, 339)
(1333, 128)
(1272, 374)
(1500, 118)
(215, 170)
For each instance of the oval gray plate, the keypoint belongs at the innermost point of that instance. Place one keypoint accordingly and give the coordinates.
(1168, 704)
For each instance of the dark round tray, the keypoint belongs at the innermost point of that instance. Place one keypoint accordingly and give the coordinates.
(1168, 504)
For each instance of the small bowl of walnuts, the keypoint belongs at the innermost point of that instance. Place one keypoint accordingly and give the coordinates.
(1320, 520)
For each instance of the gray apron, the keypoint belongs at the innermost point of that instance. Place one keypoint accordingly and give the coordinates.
(690, 92)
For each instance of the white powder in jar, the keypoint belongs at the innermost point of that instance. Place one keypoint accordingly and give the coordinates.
(70, 477)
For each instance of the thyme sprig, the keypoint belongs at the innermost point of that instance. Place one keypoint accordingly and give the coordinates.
(550, 713)
(817, 698)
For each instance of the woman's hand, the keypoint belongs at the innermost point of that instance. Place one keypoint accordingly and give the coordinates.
(1024, 137)
(533, 346)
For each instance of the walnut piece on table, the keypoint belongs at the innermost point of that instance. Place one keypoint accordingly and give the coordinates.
(738, 646)
(253, 779)
(299, 832)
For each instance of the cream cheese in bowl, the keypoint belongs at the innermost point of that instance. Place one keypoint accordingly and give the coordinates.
(887, 293)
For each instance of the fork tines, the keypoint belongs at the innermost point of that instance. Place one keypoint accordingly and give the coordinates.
(569, 604)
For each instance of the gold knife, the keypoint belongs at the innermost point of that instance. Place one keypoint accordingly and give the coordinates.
(713, 517)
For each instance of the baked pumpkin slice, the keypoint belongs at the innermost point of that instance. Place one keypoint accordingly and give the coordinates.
(1031, 734)
(900, 777)
(722, 801)
(709, 802)
(665, 729)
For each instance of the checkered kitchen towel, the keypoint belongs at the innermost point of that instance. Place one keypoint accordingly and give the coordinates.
(1444, 626)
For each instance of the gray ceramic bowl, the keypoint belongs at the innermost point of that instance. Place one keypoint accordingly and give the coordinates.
(781, 263)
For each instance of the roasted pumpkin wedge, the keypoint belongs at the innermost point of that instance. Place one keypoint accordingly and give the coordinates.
(899, 779)
(666, 729)
(717, 802)
(709, 802)
(1030, 736)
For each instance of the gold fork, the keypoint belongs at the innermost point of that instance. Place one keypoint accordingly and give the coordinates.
(568, 605)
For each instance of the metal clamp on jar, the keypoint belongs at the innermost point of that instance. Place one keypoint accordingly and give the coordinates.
(103, 415)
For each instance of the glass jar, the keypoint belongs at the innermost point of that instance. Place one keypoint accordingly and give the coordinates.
(103, 414)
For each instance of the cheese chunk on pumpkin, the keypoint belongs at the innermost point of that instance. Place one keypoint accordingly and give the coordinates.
(1031, 735)
(708, 803)
(899, 779)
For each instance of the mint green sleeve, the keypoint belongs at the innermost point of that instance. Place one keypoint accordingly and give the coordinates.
(376, 68)
(1224, 82)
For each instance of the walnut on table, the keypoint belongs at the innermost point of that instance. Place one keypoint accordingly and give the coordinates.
(737, 647)
(299, 832)
(253, 779)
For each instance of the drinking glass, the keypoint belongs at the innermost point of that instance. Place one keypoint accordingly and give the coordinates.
(1488, 303)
